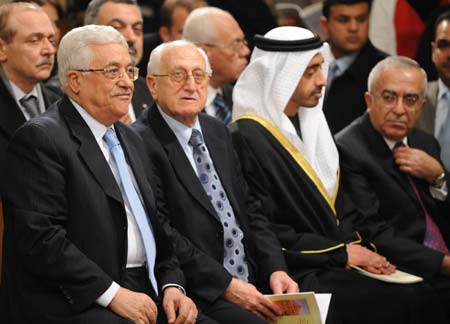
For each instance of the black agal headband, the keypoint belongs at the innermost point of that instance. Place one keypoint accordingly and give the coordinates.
(275, 45)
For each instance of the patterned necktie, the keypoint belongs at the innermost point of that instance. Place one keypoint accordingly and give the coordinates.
(234, 255)
(30, 104)
(444, 133)
(130, 194)
(433, 236)
(222, 110)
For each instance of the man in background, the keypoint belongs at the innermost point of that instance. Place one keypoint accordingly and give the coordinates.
(220, 36)
(346, 24)
(435, 118)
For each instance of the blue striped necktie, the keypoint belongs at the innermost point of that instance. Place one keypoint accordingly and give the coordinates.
(234, 254)
(222, 110)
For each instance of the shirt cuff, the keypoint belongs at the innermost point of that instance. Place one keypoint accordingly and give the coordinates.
(174, 285)
(108, 295)
(439, 193)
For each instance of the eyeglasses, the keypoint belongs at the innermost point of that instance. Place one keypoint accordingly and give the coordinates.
(181, 76)
(116, 73)
(237, 45)
(410, 101)
(443, 44)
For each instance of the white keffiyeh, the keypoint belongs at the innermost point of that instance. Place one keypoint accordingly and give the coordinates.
(266, 86)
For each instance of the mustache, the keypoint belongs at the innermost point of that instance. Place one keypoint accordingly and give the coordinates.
(123, 91)
(45, 61)
(132, 48)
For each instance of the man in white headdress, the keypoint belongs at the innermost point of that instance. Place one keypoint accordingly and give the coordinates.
(292, 165)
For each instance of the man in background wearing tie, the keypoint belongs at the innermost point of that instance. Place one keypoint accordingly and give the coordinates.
(82, 240)
(393, 173)
(225, 245)
(435, 118)
(219, 34)
(27, 53)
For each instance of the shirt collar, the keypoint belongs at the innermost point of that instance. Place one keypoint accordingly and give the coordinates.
(443, 89)
(19, 94)
(392, 143)
(344, 62)
(212, 93)
(97, 128)
(182, 132)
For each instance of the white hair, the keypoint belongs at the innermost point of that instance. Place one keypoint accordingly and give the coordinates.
(154, 62)
(394, 62)
(200, 27)
(74, 51)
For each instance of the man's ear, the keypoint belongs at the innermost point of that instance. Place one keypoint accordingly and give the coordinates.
(3, 52)
(74, 81)
(368, 99)
(152, 86)
(324, 25)
(164, 33)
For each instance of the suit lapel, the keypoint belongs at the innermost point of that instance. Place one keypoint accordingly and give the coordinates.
(385, 158)
(90, 151)
(137, 167)
(178, 160)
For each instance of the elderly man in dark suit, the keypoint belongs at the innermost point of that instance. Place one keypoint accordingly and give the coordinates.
(82, 243)
(394, 175)
(224, 244)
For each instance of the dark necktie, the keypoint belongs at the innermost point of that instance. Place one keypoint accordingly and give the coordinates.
(433, 236)
(30, 104)
(234, 255)
(222, 110)
(130, 194)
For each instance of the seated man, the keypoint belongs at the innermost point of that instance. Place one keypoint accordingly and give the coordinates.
(82, 240)
(226, 248)
(392, 171)
(292, 166)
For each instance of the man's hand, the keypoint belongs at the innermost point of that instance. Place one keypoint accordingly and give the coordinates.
(417, 163)
(368, 260)
(136, 307)
(178, 307)
(280, 282)
(247, 296)
(445, 266)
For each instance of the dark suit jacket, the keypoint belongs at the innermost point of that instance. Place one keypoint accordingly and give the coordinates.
(142, 98)
(65, 221)
(427, 120)
(11, 117)
(387, 199)
(345, 97)
(193, 221)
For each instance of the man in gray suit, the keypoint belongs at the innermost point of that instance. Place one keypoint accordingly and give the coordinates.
(435, 117)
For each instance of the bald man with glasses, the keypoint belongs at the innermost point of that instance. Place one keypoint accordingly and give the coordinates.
(225, 245)
(219, 34)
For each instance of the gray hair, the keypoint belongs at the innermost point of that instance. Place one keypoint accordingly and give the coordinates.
(394, 62)
(74, 51)
(93, 9)
(199, 27)
(154, 62)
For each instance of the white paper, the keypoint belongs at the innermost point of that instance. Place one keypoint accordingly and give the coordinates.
(323, 301)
